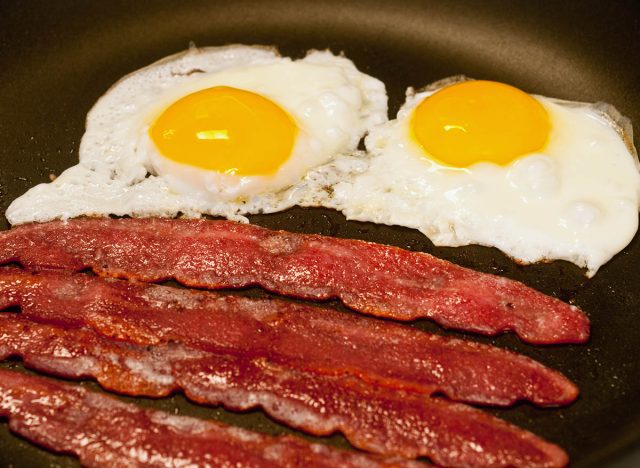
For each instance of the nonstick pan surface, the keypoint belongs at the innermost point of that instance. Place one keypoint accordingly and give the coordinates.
(58, 57)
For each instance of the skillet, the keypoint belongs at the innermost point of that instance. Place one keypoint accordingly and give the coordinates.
(57, 58)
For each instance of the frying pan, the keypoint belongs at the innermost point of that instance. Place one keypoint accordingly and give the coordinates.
(57, 58)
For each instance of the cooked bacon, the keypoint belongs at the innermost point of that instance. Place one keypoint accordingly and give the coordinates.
(307, 338)
(371, 278)
(102, 431)
(376, 419)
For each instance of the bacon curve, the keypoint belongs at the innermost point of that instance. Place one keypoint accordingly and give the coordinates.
(307, 338)
(390, 422)
(72, 419)
(371, 278)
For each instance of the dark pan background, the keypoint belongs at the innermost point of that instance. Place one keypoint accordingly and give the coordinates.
(58, 57)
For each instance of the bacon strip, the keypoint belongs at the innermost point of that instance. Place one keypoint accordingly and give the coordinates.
(373, 419)
(371, 278)
(102, 431)
(307, 338)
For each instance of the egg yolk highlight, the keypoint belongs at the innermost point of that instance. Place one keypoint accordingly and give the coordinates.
(227, 130)
(475, 121)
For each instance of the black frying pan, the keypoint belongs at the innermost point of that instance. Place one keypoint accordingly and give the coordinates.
(58, 57)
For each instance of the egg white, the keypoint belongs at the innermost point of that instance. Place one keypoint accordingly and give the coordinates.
(577, 200)
(120, 172)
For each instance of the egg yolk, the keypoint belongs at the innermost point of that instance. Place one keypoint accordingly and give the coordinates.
(475, 121)
(227, 130)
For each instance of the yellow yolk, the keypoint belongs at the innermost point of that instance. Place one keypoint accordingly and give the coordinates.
(227, 130)
(477, 121)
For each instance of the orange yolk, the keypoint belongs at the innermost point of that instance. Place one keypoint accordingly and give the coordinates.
(475, 121)
(227, 130)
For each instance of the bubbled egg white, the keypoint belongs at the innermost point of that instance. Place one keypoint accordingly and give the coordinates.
(576, 199)
(122, 172)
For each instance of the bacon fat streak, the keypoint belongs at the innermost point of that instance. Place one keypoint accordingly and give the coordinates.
(372, 418)
(311, 339)
(371, 278)
(104, 432)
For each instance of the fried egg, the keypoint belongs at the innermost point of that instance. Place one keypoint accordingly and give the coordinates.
(221, 131)
(480, 162)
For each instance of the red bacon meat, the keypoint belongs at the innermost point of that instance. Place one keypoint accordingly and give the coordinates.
(307, 338)
(104, 432)
(380, 420)
(371, 278)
